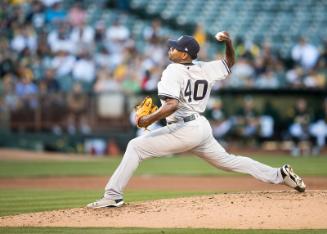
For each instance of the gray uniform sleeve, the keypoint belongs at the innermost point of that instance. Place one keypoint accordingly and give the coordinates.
(216, 70)
(169, 85)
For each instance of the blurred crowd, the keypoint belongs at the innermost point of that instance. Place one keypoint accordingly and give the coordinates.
(299, 128)
(302, 128)
(49, 46)
(262, 68)
(46, 47)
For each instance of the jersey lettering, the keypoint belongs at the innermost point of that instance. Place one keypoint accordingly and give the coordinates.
(200, 90)
(188, 91)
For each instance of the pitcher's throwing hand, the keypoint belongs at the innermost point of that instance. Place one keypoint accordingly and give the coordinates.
(222, 36)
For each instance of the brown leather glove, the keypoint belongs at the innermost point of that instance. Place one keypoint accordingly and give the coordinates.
(146, 107)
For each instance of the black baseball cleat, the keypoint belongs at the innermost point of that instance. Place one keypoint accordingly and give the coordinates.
(291, 179)
(106, 202)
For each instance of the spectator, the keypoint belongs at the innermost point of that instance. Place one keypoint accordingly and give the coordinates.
(305, 54)
(27, 101)
(49, 3)
(217, 115)
(6, 63)
(26, 90)
(200, 36)
(83, 37)
(294, 77)
(11, 101)
(267, 80)
(269, 59)
(247, 120)
(8, 100)
(313, 80)
(150, 79)
(84, 68)
(239, 47)
(117, 36)
(321, 73)
(105, 82)
(77, 15)
(318, 129)
(63, 63)
(51, 85)
(259, 66)
(242, 74)
(100, 31)
(52, 102)
(131, 84)
(155, 51)
(252, 50)
(154, 31)
(299, 128)
(24, 38)
(55, 12)
(77, 103)
(36, 15)
(61, 39)
(103, 59)
(279, 70)
(269, 122)
(323, 56)
(117, 32)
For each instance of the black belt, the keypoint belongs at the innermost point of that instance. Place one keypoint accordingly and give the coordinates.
(186, 119)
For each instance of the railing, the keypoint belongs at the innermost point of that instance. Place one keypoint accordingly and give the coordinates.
(64, 112)
(62, 122)
(111, 111)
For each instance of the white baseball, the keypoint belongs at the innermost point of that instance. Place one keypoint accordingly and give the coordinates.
(219, 36)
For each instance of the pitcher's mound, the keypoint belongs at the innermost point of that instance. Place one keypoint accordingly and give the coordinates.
(257, 210)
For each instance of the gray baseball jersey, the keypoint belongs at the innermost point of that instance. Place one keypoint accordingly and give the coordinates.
(191, 85)
(187, 130)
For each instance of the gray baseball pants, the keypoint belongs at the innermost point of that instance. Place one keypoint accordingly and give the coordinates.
(194, 136)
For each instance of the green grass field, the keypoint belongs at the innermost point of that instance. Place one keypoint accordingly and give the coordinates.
(16, 201)
(180, 165)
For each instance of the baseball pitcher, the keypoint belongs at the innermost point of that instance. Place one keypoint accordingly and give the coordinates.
(184, 91)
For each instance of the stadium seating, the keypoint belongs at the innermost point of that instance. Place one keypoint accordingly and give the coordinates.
(253, 20)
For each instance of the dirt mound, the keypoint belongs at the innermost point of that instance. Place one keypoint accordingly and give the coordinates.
(270, 210)
(160, 183)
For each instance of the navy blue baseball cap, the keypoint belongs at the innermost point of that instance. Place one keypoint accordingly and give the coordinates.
(186, 44)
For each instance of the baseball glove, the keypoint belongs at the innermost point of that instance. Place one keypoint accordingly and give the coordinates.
(146, 107)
